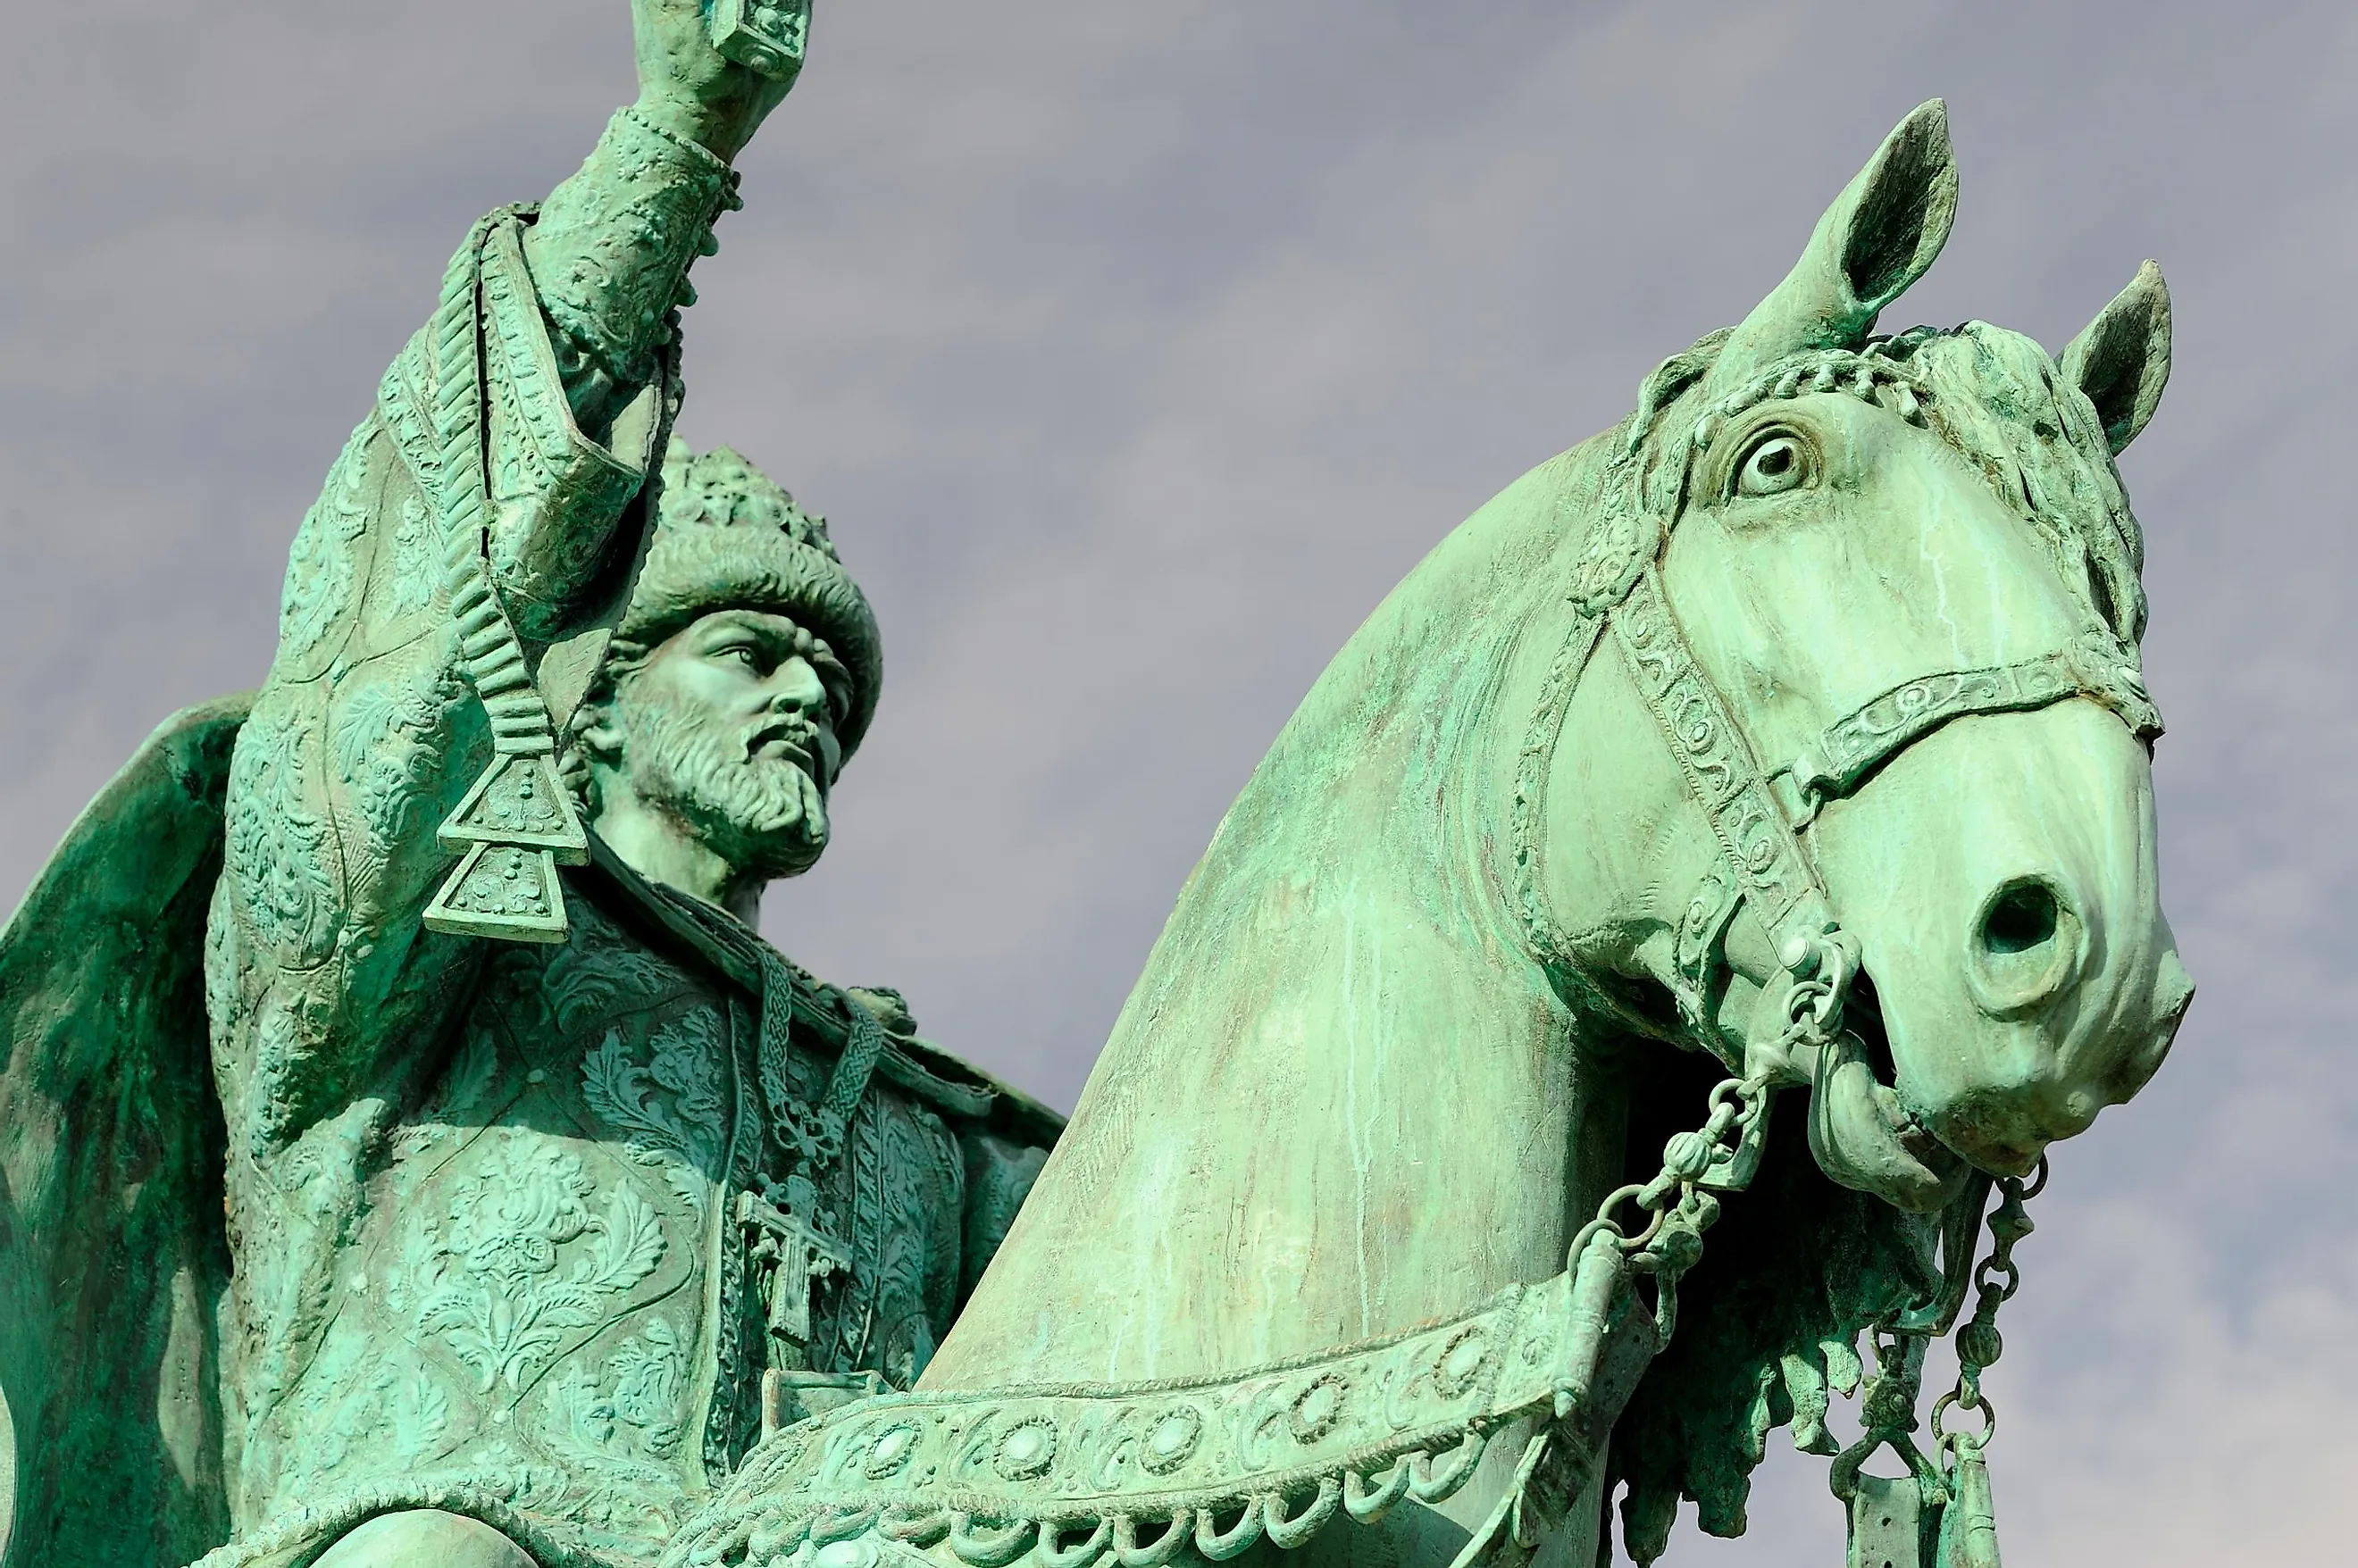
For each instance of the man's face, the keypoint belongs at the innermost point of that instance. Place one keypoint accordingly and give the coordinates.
(729, 728)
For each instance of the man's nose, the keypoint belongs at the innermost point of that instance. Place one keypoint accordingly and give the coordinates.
(795, 686)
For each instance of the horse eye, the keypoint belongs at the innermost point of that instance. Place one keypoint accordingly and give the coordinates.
(1776, 465)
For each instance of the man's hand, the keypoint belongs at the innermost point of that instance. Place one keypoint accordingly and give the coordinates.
(688, 86)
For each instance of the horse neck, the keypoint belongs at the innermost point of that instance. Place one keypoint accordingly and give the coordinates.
(1341, 1098)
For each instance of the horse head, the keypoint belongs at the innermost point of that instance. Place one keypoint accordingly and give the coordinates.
(1901, 577)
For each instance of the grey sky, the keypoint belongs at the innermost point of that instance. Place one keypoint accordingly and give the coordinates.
(1135, 350)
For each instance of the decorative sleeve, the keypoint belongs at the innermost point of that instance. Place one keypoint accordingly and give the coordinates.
(610, 254)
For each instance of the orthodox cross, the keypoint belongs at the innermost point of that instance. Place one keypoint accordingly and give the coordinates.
(801, 1255)
(787, 1220)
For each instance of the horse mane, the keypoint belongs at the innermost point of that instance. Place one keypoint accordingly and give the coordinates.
(1798, 1267)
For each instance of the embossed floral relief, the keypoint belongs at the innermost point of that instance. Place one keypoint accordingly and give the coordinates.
(619, 1431)
(520, 1259)
(388, 744)
(278, 850)
(600, 973)
(664, 1099)
(322, 565)
(361, 1401)
(597, 1441)
(460, 1099)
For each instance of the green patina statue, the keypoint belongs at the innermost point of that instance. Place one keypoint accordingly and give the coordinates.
(546, 1194)
(1788, 736)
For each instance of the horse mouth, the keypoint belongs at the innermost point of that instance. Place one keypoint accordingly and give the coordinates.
(1862, 1015)
(1948, 1161)
(1865, 1137)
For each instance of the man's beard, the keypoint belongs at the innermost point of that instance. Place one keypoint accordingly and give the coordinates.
(764, 816)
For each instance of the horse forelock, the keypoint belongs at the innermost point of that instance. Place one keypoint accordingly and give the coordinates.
(1999, 399)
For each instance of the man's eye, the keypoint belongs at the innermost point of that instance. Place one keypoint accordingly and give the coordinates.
(744, 655)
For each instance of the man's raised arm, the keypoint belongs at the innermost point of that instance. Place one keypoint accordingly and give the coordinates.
(457, 563)
(614, 244)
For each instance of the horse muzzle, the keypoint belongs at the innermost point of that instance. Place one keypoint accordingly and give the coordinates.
(2000, 878)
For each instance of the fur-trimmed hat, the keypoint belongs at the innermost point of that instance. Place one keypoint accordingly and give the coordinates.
(728, 538)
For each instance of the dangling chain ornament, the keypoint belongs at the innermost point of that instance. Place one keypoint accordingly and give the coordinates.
(1968, 1536)
(1943, 1502)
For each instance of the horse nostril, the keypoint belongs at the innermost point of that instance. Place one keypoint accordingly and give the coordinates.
(2021, 917)
(2026, 949)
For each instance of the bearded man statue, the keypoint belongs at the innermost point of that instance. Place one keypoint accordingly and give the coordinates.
(359, 1210)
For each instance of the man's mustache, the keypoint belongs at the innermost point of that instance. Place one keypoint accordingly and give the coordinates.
(787, 736)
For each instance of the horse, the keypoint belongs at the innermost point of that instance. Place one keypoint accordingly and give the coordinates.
(1815, 677)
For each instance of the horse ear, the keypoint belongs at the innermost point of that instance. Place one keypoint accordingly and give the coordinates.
(2122, 359)
(1879, 236)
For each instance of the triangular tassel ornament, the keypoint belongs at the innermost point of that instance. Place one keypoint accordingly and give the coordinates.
(518, 821)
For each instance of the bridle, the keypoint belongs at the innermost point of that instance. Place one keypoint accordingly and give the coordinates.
(1757, 816)
(1756, 813)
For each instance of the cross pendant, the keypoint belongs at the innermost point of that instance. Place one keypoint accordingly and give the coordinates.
(804, 1256)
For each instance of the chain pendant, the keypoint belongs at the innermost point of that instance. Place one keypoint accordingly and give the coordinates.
(1888, 1523)
(1969, 1524)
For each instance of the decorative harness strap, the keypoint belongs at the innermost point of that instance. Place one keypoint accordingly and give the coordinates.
(1856, 745)
(1754, 835)
(1131, 1474)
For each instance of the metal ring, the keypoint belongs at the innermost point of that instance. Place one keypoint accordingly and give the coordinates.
(1604, 1220)
(1809, 995)
(1645, 1237)
(1980, 1401)
(1989, 1266)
